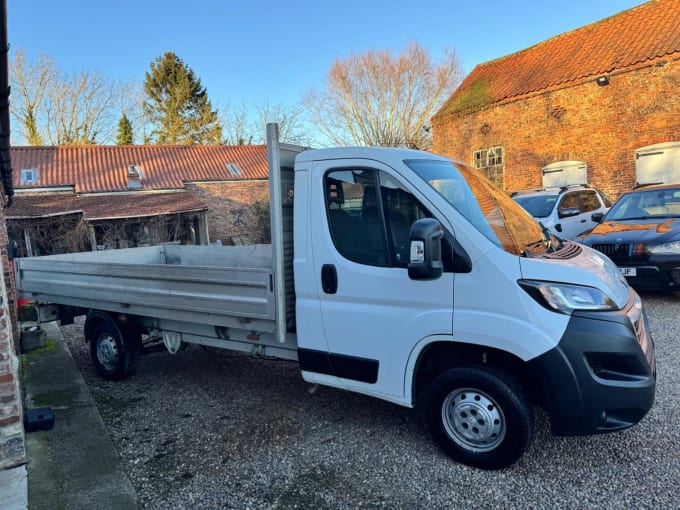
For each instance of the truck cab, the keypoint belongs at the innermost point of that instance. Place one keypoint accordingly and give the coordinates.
(515, 316)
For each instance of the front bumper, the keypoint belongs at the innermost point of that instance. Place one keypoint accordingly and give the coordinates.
(601, 377)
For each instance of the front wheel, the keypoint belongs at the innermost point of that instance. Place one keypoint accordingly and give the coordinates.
(480, 417)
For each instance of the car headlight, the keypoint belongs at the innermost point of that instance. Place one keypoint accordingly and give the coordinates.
(566, 298)
(665, 248)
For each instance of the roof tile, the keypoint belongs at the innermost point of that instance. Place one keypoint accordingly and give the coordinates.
(92, 169)
(114, 205)
(633, 37)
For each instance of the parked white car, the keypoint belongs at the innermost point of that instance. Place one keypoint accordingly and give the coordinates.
(565, 210)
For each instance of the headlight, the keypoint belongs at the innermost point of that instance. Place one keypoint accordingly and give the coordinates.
(565, 297)
(665, 248)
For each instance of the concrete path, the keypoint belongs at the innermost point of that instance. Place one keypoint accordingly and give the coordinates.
(74, 465)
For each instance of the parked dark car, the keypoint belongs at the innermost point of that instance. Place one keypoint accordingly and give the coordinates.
(641, 234)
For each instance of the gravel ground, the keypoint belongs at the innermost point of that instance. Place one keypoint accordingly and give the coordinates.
(208, 429)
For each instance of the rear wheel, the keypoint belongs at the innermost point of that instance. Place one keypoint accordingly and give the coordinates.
(114, 356)
(480, 417)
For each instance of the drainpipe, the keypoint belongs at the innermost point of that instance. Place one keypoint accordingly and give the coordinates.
(5, 158)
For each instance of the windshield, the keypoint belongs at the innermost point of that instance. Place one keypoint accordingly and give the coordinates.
(488, 208)
(659, 203)
(539, 206)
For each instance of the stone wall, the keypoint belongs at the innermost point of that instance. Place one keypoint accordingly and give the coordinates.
(600, 125)
(236, 209)
(12, 449)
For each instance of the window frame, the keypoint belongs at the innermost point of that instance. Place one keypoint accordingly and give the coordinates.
(488, 158)
(391, 253)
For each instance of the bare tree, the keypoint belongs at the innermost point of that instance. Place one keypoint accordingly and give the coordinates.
(79, 110)
(30, 83)
(236, 126)
(53, 107)
(289, 119)
(378, 98)
(241, 127)
(128, 100)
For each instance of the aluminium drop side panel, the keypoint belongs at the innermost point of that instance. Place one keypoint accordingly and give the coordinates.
(163, 283)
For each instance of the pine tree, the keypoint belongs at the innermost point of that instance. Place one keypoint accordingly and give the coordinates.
(177, 105)
(125, 136)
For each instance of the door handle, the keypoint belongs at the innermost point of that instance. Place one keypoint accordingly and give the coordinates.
(329, 279)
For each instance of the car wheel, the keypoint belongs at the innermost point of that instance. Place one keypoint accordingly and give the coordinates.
(480, 417)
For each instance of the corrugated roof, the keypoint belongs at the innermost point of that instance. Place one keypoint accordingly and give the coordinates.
(91, 169)
(639, 36)
(115, 205)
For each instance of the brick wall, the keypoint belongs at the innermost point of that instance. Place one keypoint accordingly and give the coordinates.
(12, 451)
(601, 125)
(235, 209)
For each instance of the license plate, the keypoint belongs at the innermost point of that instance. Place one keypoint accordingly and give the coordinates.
(628, 271)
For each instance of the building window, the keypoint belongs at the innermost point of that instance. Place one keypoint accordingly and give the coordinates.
(29, 176)
(486, 158)
(233, 169)
(134, 171)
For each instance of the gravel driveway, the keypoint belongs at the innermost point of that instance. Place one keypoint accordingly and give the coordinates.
(210, 429)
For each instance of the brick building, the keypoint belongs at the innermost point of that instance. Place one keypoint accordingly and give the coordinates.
(12, 446)
(101, 197)
(593, 96)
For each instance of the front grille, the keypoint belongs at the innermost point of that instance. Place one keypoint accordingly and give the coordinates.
(611, 250)
(622, 252)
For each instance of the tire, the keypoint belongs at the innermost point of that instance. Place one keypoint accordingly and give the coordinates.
(479, 417)
(114, 358)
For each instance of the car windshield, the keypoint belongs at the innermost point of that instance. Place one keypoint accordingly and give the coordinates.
(539, 206)
(484, 205)
(659, 203)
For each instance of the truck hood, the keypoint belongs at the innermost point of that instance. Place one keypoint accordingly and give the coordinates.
(584, 266)
(647, 231)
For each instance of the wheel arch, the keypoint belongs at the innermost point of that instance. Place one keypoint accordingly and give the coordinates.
(441, 355)
(125, 325)
(96, 318)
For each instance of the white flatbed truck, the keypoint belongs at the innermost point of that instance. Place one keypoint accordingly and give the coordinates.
(394, 273)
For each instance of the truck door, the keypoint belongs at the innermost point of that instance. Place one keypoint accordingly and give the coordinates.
(372, 313)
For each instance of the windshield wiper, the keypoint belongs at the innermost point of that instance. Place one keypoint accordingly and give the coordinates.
(548, 237)
(546, 241)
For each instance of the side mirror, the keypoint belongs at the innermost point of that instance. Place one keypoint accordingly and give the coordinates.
(426, 250)
(568, 212)
(597, 217)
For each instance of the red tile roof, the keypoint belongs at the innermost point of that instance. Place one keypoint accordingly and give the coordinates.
(643, 35)
(98, 207)
(91, 169)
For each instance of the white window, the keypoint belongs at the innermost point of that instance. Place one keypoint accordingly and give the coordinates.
(134, 171)
(233, 169)
(486, 158)
(29, 176)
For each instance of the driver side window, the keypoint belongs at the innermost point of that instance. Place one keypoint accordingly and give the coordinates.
(370, 216)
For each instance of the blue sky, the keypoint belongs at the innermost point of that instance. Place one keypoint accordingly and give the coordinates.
(257, 51)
